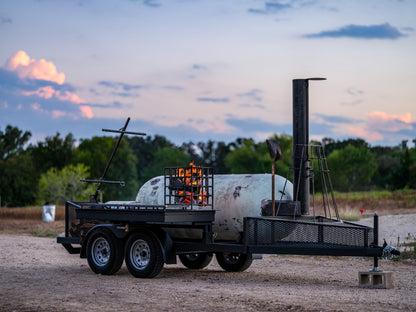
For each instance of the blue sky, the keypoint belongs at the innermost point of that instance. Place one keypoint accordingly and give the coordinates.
(196, 70)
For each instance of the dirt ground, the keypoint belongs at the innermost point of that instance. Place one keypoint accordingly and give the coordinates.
(37, 274)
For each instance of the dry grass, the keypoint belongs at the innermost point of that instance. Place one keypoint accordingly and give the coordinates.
(382, 202)
(28, 220)
(30, 213)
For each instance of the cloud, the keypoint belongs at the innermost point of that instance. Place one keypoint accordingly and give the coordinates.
(354, 97)
(368, 135)
(29, 68)
(49, 92)
(198, 67)
(152, 3)
(333, 119)
(378, 127)
(115, 104)
(29, 84)
(409, 29)
(86, 111)
(120, 89)
(120, 85)
(5, 20)
(252, 94)
(213, 100)
(354, 92)
(252, 106)
(379, 120)
(382, 31)
(246, 126)
(271, 8)
(174, 88)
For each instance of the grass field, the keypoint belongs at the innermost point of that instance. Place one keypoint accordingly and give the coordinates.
(382, 202)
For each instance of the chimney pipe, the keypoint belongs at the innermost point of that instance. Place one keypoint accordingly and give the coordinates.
(300, 89)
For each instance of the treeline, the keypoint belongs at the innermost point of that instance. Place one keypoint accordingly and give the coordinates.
(50, 171)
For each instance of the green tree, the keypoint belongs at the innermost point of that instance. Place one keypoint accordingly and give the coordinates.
(165, 157)
(12, 141)
(209, 154)
(404, 175)
(54, 152)
(95, 153)
(18, 180)
(17, 174)
(388, 161)
(351, 167)
(144, 149)
(58, 186)
(331, 145)
(248, 157)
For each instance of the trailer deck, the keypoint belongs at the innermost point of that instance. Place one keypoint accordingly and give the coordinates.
(304, 235)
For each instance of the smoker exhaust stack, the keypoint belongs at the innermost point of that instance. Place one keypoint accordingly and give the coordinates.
(300, 88)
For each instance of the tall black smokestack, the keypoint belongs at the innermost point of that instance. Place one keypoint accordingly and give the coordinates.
(301, 189)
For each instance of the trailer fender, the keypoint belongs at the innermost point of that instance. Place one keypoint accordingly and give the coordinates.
(117, 230)
(168, 250)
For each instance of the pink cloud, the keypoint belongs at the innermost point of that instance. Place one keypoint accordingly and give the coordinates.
(25, 67)
(36, 106)
(393, 123)
(68, 96)
(86, 111)
(58, 113)
(49, 92)
(364, 133)
(44, 92)
(30, 68)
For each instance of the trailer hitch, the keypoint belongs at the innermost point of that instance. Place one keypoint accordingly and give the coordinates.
(389, 251)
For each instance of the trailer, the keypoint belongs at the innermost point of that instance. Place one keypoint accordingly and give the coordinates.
(109, 233)
(145, 235)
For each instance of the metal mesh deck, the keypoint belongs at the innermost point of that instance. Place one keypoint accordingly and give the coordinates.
(319, 230)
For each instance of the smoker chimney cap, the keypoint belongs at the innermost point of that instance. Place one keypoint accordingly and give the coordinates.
(315, 78)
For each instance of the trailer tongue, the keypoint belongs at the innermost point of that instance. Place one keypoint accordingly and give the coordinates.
(185, 219)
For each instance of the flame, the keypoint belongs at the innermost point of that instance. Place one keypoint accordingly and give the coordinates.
(191, 177)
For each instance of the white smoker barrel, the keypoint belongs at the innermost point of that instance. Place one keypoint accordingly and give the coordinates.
(235, 196)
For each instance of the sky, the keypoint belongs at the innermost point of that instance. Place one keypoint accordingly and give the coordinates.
(199, 70)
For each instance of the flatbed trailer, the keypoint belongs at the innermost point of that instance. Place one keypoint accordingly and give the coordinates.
(144, 235)
(108, 233)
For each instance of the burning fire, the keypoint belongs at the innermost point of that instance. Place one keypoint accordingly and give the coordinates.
(192, 191)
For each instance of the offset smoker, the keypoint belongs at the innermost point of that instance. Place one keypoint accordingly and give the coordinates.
(144, 234)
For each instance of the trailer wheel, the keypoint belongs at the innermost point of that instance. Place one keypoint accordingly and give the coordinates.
(104, 252)
(196, 260)
(143, 254)
(234, 262)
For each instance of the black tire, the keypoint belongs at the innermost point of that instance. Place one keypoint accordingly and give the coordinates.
(234, 262)
(196, 260)
(104, 252)
(143, 254)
